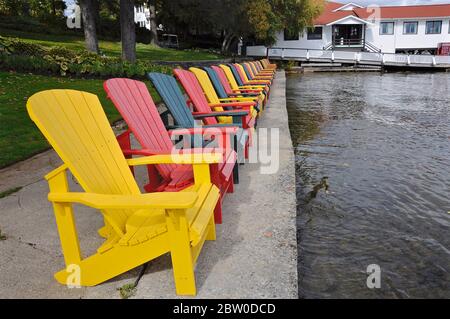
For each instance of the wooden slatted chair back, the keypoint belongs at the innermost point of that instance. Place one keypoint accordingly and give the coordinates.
(195, 93)
(220, 89)
(172, 96)
(77, 128)
(206, 85)
(134, 102)
(229, 76)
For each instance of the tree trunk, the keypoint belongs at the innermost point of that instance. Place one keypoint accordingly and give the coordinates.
(26, 9)
(127, 30)
(96, 6)
(227, 42)
(233, 38)
(54, 8)
(153, 25)
(224, 42)
(89, 26)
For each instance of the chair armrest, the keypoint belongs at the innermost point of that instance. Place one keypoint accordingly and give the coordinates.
(180, 200)
(251, 88)
(234, 104)
(245, 95)
(194, 157)
(238, 99)
(199, 116)
(223, 134)
(235, 113)
(204, 130)
(250, 92)
(173, 127)
(262, 83)
(143, 152)
(223, 125)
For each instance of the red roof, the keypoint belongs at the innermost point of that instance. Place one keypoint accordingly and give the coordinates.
(391, 12)
(328, 15)
(406, 12)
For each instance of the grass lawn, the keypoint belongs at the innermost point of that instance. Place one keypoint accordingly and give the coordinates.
(144, 51)
(19, 137)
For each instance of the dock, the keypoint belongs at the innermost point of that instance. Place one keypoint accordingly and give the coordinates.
(390, 60)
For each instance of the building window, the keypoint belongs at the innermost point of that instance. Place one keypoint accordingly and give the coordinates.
(387, 28)
(433, 27)
(315, 33)
(410, 27)
(291, 36)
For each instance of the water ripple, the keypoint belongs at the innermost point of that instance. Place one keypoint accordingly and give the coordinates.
(383, 143)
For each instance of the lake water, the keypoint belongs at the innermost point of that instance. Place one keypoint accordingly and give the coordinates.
(373, 183)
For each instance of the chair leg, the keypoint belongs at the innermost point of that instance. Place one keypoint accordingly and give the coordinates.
(65, 221)
(247, 150)
(230, 188)
(236, 173)
(211, 230)
(218, 211)
(180, 251)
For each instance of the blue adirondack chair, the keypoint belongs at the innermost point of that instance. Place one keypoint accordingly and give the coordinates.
(236, 74)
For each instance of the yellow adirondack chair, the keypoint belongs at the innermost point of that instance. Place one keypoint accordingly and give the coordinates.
(139, 227)
(214, 99)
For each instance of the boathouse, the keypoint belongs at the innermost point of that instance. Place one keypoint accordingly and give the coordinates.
(418, 29)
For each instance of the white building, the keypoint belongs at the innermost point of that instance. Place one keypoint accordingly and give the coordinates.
(142, 16)
(393, 29)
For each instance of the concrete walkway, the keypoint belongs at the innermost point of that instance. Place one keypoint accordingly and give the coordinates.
(255, 255)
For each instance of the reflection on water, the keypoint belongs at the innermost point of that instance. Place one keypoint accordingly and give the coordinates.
(383, 142)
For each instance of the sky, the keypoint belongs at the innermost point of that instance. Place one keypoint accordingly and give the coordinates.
(395, 2)
(379, 2)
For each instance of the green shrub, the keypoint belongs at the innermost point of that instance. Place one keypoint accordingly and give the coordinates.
(16, 46)
(25, 57)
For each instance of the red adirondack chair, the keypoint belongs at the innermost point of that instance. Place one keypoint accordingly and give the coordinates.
(134, 102)
(201, 105)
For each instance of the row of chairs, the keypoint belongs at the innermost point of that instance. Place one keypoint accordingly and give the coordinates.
(191, 152)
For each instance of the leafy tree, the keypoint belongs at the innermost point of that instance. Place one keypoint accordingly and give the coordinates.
(41, 9)
(240, 18)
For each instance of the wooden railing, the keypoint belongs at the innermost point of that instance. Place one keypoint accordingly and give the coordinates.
(348, 42)
(367, 58)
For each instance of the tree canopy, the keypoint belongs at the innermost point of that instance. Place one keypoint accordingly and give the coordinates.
(261, 19)
(224, 21)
